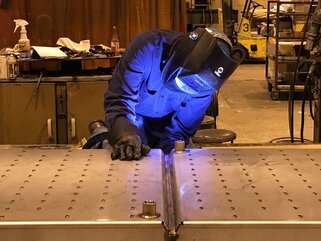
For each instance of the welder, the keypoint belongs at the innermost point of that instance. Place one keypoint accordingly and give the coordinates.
(162, 87)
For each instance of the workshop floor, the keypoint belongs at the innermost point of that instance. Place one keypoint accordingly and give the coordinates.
(246, 108)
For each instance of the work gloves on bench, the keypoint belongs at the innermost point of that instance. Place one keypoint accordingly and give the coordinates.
(129, 147)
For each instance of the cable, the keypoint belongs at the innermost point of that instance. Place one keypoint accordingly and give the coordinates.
(292, 83)
(289, 140)
(307, 89)
(310, 102)
(307, 85)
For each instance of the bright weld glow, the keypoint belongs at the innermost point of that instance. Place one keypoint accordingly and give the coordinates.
(183, 86)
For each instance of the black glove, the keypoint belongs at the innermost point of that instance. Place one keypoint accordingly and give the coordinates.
(129, 147)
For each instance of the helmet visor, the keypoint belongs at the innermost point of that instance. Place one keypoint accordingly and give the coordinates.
(199, 65)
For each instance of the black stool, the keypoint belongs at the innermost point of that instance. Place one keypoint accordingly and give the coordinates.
(210, 137)
(207, 122)
(207, 136)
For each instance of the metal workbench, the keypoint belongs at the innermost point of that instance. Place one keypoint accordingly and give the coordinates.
(217, 194)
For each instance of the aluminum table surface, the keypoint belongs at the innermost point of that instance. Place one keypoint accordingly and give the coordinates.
(222, 194)
(45, 194)
(249, 194)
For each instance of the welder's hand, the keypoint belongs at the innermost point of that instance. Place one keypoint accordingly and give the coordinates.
(129, 147)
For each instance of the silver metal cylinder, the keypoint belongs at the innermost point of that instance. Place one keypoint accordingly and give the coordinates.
(95, 124)
(179, 146)
(149, 210)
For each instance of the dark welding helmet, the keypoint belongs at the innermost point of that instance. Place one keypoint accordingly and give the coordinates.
(200, 62)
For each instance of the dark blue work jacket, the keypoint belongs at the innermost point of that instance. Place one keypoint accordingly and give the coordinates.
(136, 92)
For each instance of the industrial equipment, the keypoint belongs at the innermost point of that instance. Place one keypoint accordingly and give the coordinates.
(248, 34)
(284, 40)
(312, 86)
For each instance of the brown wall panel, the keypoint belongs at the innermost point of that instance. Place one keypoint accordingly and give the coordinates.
(10, 10)
(88, 19)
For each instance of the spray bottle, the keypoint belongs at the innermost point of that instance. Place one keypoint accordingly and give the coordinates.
(24, 42)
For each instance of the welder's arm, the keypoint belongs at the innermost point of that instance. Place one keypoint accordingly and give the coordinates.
(185, 122)
(120, 101)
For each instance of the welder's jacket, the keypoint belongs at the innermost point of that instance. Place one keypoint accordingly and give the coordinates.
(136, 92)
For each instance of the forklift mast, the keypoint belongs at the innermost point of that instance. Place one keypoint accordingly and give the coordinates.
(228, 20)
(249, 9)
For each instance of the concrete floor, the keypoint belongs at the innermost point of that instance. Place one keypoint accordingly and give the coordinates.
(245, 107)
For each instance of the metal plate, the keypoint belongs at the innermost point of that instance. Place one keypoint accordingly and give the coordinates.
(249, 194)
(223, 194)
(70, 190)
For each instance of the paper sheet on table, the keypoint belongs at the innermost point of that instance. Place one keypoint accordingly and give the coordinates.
(49, 52)
(82, 47)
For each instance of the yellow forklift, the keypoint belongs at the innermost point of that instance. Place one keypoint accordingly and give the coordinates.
(248, 35)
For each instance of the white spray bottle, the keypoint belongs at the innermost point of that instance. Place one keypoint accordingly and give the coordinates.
(24, 42)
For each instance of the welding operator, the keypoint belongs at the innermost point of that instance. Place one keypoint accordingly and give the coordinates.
(162, 87)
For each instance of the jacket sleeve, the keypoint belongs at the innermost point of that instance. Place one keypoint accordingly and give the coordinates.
(186, 120)
(122, 95)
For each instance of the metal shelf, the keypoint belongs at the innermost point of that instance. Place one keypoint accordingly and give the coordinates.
(273, 72)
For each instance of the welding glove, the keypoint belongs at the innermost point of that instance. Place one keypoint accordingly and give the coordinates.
(129, 147)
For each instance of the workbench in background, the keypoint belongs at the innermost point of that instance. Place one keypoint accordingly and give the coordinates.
(53, 101)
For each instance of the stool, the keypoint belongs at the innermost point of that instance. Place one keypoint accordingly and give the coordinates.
(207, 122)
(210, 137)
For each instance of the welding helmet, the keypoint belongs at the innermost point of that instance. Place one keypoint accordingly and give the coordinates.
(200, 62)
